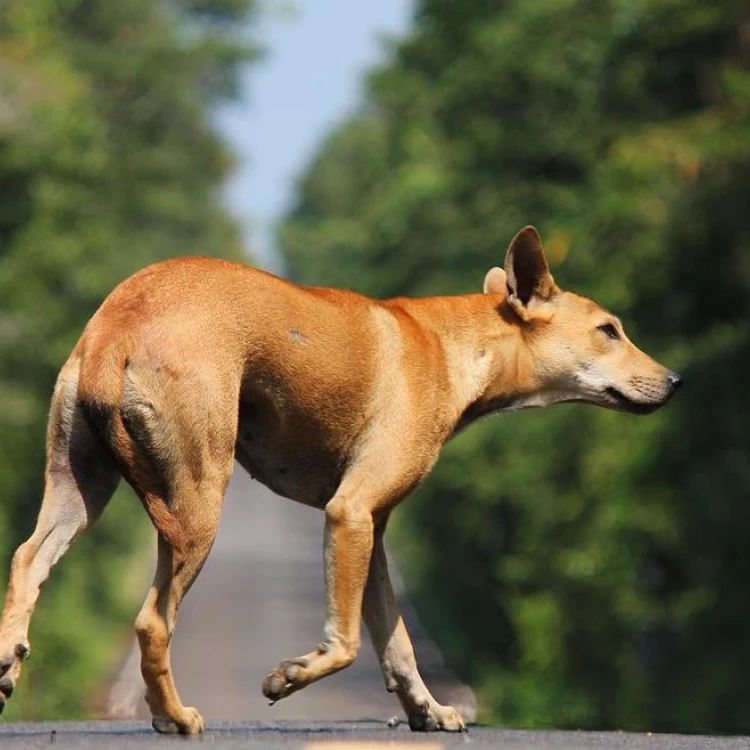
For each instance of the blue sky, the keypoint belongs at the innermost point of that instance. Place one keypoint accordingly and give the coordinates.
(310, 79)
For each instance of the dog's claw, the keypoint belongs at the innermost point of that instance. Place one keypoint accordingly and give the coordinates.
(8, 677)
(6, 687)
(274, 686)
(282, 681)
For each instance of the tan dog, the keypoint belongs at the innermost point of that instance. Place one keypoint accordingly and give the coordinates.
(329, 398)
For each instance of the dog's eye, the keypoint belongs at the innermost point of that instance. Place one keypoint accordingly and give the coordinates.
(610, 330)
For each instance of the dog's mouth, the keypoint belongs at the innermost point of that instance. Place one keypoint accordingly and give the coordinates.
(618, 400)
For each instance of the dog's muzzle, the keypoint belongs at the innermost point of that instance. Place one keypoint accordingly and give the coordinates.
(618, 400)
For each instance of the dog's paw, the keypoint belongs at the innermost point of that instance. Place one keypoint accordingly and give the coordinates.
(438, 719)
(10, 670)
(190, 722)
(284, 680)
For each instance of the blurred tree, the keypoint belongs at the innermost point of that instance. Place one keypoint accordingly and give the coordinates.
(581, 568)
(108, 161)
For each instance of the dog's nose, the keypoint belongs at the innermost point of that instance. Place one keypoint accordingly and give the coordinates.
(675, 380)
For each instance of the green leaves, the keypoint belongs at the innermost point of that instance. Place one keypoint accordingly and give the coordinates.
(108, 162)
(581, 567)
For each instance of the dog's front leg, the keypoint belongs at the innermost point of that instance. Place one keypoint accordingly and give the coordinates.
(348, 548)
(396, 653)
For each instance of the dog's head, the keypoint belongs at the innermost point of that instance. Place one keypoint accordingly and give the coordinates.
(576, 350)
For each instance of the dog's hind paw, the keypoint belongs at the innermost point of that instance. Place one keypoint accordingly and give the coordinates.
(191, 722)
(438, 719)
(10, 669)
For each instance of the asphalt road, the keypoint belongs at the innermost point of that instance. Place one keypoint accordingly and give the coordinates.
(260, 599)
(341, 735)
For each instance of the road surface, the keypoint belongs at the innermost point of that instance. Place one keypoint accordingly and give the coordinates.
(259, 599)
(339, 736)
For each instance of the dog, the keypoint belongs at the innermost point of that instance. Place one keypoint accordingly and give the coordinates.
(327, 397)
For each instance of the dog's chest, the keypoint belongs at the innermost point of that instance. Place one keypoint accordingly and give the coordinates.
(301, 418)
(292, 471)
(290, 450)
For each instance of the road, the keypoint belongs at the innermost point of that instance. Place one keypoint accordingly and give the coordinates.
(340, 736)
(260, 599)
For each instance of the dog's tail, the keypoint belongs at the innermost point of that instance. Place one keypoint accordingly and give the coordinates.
(102, 396)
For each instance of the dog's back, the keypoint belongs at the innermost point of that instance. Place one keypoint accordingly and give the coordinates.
(326, 396)
(188, 327)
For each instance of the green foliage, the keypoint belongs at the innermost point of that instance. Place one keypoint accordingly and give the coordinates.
(108, 161)
(581, 568)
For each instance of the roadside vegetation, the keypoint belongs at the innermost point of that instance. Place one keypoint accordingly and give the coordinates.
(108, 162)
(580, 568)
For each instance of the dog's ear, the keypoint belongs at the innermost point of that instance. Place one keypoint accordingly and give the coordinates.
(496, 281)
(528, 278)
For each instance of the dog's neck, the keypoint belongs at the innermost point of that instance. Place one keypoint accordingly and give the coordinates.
(488, 366)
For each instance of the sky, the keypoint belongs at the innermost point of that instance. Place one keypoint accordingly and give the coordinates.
(316, 52)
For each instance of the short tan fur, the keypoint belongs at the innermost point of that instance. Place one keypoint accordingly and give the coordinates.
(329, 398)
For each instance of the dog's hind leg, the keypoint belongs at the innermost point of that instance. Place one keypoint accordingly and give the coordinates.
(198, 514)
(396, 653)
(180, 460)
(80, 478)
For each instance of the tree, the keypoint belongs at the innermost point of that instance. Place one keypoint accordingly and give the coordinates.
(108, 161)
(581, 568)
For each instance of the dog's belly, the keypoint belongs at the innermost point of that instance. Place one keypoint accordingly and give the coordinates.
(299, 426)
(307, 477)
